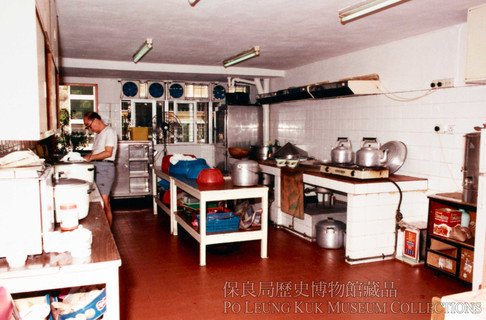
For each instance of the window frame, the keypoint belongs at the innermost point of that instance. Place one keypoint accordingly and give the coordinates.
(93, 97)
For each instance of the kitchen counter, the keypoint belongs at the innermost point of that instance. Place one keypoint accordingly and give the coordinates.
(60, 270)
(370, 211)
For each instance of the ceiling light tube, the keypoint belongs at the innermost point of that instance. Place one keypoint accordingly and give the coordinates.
(364, 8)
(243, 56)
(143, 50)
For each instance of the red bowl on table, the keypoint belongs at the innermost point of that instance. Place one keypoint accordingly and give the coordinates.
(212, 176)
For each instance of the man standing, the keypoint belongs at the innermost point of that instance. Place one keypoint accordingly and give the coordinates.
(103, 157)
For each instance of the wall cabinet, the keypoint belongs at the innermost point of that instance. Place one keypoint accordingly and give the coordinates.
(476, 45)
(25, 66)
(445, 252)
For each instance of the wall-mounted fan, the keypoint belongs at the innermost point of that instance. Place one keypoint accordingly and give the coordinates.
(156, 90)
(170, 129)
(130, 89)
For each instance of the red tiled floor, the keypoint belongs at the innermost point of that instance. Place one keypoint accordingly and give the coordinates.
(160, 278)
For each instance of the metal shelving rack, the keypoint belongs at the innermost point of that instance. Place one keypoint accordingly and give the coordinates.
(134, 169)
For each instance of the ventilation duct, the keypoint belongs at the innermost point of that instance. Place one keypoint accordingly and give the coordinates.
(324, 90)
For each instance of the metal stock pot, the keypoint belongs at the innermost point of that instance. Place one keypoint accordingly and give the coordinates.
(244, 173)
(330, 233)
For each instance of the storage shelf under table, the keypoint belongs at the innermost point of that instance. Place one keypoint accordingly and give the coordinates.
(226, 191)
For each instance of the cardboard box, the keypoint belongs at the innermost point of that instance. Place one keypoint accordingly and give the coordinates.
(444, 263)
(412, 245)
(438, 311)
(444, 220)
(466, 266)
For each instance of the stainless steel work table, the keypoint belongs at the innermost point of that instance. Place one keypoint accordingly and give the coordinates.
(215, 193)
(59, 270)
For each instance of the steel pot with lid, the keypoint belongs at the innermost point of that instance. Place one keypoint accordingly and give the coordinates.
(370, 154)
(342, 152)
(330, 233)
(244, 173)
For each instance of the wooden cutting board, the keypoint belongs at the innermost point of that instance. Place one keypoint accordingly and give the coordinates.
(292, 192)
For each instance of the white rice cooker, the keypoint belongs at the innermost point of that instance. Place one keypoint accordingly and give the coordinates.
(75, 170)
(69, 192)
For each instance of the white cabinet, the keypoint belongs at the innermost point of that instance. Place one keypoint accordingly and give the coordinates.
(476, 45)
(23, 85)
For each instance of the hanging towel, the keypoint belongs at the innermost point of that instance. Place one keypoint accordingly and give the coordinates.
(292, 192)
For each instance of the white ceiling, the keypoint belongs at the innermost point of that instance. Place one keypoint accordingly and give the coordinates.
(195, 40)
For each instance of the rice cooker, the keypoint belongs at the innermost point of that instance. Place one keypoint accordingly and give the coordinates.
(72, 191)
(75, 170)
(244, 173)
(330, 233)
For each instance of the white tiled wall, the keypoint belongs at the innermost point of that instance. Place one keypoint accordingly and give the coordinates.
(110, 113)
(316, 124)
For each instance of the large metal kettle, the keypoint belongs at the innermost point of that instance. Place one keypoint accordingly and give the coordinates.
(342, 152)
(370, 154)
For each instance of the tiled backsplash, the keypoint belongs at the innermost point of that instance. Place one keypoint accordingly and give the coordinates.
(316, 124)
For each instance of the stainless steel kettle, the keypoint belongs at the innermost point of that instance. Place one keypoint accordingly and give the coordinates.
(342, 152)
(370, 154)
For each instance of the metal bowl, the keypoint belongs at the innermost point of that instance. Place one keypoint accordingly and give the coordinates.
(397, 153)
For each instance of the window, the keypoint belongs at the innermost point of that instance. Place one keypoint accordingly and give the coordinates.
(197, 91)
(78, 99)
(188, 121)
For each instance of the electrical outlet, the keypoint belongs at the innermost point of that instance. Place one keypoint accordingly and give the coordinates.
(442, 83)
(450, 128)
(439, 128)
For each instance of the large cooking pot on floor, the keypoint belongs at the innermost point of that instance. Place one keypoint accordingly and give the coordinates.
(330, 233)
(244, 173)
(75, 170)
(72, 191)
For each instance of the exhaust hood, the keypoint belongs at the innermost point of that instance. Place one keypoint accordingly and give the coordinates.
(324, 90)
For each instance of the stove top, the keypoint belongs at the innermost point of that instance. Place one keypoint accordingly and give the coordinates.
(355, 171)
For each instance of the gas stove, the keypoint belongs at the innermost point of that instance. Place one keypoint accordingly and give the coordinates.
(355, 171)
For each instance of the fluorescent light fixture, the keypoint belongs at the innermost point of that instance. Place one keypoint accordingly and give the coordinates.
(193, 2)
(364, 8)
(143, 50)
(243, 56)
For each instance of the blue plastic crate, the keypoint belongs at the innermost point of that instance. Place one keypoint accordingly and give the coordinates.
(221, 222)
